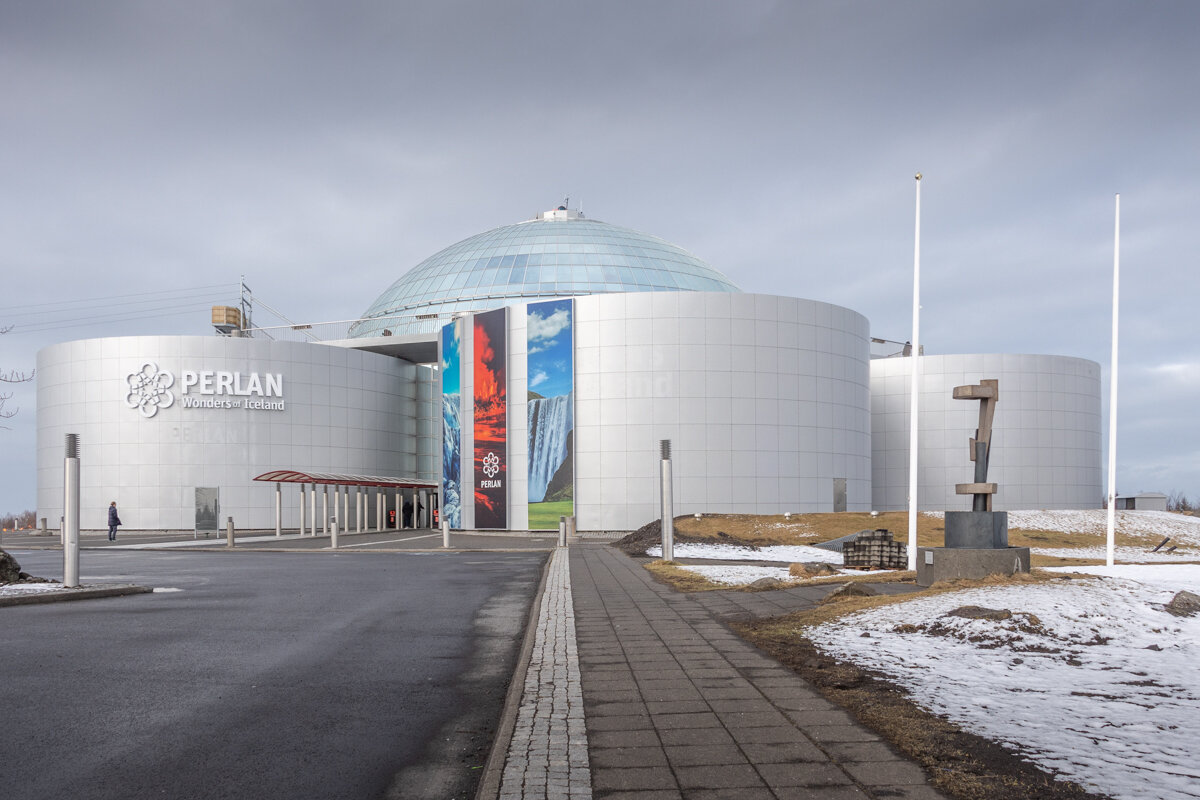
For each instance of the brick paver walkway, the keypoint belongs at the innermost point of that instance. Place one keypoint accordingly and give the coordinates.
(548, 753)
(678, 706)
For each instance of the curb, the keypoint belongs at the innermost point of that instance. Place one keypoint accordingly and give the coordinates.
(493, 770)
(73, 594)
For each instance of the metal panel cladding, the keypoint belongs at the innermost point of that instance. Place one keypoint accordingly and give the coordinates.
(491, 419)
(551, 401)
(451, 362)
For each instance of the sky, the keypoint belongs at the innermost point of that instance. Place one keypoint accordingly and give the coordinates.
(550, 361)
(152, 153)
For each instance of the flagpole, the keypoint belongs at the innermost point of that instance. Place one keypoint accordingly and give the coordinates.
(915, 355)
(1110, 549)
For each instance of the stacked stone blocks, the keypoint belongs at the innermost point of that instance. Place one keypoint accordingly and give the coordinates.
(875, 549)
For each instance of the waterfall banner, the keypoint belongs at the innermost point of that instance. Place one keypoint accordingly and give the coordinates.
(491, 419)
(451, 359)
(551, 371)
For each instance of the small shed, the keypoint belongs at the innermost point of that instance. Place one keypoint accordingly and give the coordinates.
(1146, 501)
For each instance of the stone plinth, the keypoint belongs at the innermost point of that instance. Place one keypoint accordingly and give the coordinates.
(936, 564)
(977, 529)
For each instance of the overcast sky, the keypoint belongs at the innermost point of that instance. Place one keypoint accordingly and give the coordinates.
(323, 149)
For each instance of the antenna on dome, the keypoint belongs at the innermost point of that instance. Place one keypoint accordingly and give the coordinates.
(566, 203)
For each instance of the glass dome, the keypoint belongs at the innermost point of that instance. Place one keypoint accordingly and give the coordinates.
(557, 254)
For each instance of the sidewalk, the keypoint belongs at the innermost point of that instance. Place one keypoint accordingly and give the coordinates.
(678, 706)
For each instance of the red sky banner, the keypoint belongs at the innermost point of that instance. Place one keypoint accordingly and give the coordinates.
(491, 419)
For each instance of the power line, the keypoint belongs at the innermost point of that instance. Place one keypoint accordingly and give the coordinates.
(64, 303)
(165, 311)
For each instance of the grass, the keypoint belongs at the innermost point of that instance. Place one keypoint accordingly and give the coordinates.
(771, 529)
(681, 580)
(544, 516)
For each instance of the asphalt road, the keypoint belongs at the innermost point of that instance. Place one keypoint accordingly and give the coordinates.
(266, 675)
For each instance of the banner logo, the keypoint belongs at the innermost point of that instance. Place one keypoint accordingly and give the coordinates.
(491, 464)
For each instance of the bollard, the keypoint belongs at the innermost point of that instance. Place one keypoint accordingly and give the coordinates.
(562, 531)
(71, 512)
(333, 531)
(229, 531)
(667, 519)
(571, 527)
(446, 534)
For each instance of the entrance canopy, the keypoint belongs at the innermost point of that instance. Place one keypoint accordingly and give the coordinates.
(331, 479)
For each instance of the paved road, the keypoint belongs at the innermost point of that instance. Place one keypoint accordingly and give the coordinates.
(269, 675)
(290, 540)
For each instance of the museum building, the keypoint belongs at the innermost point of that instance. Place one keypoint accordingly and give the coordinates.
(530, 372)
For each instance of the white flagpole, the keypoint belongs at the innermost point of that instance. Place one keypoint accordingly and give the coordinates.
(915, 355)
(1110, 551)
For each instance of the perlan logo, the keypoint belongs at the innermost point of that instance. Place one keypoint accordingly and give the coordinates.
(491, 465)
(150, 389)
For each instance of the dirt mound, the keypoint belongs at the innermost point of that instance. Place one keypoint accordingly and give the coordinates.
(10, 571)
(650, 534)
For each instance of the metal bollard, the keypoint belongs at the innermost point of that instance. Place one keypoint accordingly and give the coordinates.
(71, 515)
(446, 534)
(562, 531)
(668, 513)
(229, 531)
(333, 531)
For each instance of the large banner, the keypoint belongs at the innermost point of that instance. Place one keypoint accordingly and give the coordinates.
(452, 424)
(551, 371)
(491, 419)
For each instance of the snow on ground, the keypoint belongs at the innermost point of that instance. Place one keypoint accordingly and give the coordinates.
(1182, 529)
(1127, 554)
(16, 589)
(1167, 577)
(737, 574)
(741, 574)
(726, 552)
(1090, 678)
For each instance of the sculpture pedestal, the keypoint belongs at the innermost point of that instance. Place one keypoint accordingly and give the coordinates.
(977, 529)
(935, 564)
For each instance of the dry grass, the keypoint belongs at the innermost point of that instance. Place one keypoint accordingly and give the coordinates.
(795, 623)
(681, 580)
(806, 528)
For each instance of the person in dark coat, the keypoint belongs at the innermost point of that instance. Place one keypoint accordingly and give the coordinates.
(113, 521)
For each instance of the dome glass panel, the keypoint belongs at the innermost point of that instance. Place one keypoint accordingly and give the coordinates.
(558, 254)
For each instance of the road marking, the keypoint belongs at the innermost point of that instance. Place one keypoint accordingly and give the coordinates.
(388, 541)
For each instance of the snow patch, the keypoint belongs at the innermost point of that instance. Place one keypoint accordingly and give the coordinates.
(737, 574)
(1119, 553)
(726, 552)
(1182, 529)
(1091, 678)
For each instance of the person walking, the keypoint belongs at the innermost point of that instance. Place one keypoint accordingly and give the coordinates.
(113, 521)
